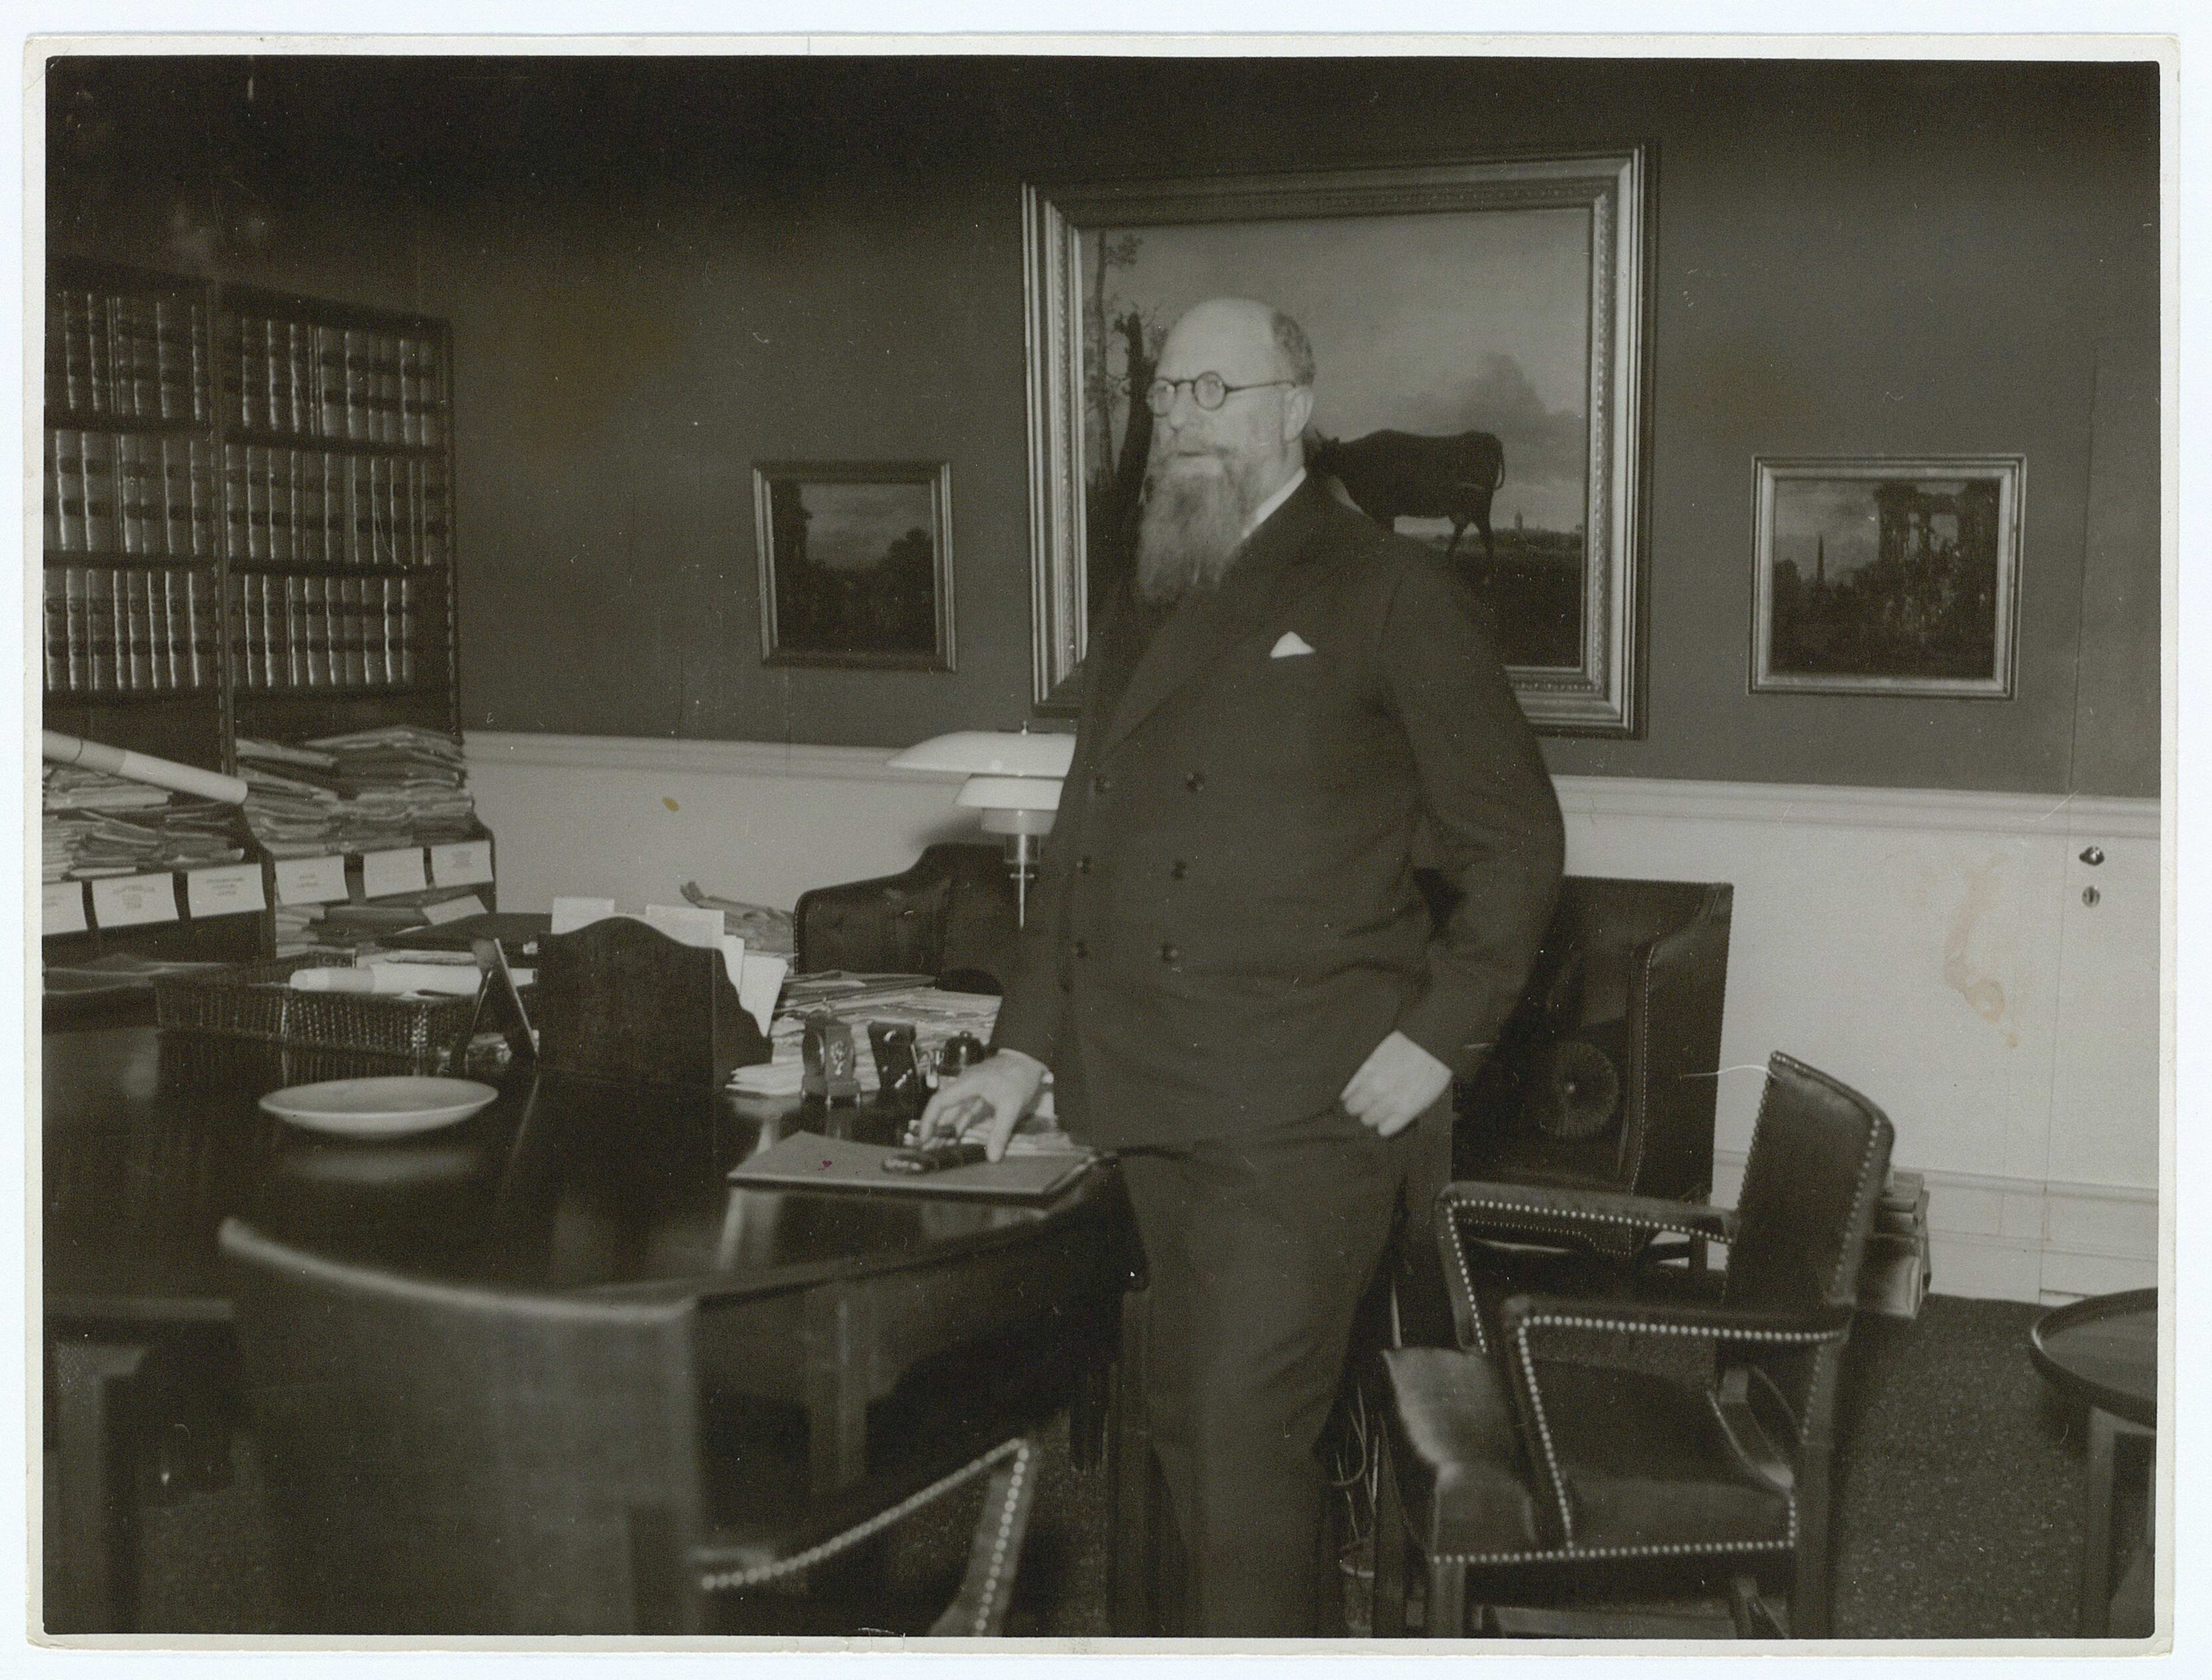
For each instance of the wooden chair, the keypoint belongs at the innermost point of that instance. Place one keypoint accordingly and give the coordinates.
(450, 1459)
(1523, 1479)
(953, 914)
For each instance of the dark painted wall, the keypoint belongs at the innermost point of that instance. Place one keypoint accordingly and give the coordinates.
(660, 271)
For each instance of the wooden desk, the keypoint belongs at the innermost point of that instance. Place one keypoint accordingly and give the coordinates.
(151, 1140)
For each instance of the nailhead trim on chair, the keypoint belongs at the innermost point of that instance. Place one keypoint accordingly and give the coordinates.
(1579, 1554)
(1544, 1434)
(1467, 1283)
(1567, 1215)
(1000, 1543)
(1858, 1202)
(724, 1580)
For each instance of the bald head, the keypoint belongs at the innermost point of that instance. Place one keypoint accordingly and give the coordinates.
(1245, 329)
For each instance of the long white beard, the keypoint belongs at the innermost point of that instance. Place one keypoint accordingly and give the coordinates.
(1192, 526)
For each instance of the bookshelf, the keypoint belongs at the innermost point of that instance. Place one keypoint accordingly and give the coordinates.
(247, 531)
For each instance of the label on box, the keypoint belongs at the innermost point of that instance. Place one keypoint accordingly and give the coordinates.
(453, 909)
(224, 892)
(61, 908)
(310, 880)
(461, 863)
(383, 873)
(126, 901)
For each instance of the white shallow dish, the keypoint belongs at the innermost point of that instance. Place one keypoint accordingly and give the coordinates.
(391, 1107)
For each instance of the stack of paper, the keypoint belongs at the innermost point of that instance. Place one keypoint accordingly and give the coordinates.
(398, 785)
(94, 824)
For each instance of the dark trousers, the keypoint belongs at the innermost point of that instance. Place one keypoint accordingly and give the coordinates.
(1258, 1251)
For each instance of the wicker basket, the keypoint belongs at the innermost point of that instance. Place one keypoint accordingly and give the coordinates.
(253, 1001)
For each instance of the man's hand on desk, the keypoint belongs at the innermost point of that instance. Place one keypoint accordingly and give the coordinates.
(1394, 1085)
(1003, 1086)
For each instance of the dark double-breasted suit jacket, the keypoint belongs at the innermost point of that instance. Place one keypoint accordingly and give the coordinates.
(1225, 921)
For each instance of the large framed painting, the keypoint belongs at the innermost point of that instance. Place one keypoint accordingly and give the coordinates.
(1896, 576)
(855, 563)
(1480, 334)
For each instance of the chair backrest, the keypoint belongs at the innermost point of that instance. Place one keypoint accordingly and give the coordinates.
(955, 909)
(448, 1459)
(1819, 1153)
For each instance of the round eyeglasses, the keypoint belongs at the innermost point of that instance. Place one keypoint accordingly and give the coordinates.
(1209, 391)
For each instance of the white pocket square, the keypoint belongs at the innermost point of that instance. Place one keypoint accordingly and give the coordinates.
(1291, 644)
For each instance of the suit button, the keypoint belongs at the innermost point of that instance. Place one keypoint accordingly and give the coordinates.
(1178, 868)
(1082, 949)
(1168, 953)
(1082, 864)
(1194, 781)
(1099, 784)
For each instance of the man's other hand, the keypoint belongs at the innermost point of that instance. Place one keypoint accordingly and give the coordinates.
(1004, 1087)
(1394, 1085)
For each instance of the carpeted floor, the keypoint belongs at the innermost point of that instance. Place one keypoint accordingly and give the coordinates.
(1958, 1512)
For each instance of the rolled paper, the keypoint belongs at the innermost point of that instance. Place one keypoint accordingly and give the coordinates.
(389, 979)
(144, 767)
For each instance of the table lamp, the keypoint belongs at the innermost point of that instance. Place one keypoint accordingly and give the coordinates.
(1013, 779)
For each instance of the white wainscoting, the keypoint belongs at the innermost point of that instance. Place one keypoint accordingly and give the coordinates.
(1932, 948)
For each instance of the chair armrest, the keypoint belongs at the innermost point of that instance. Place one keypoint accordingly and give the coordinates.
(1522, 1314)
(1518, 1211)
(1573, 1218)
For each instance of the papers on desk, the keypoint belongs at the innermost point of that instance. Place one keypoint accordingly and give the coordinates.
(807, 1160)
(934, 1015)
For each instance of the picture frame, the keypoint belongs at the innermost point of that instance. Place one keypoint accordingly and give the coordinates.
(1891, 575)
(1503, 297)
(855, 563)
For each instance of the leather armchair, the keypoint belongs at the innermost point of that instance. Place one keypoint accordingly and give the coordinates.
(952, 915)
(1540, 1478)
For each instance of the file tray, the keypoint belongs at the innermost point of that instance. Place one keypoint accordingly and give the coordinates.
(805, 1161)
(254, 1000)
(620, 1000)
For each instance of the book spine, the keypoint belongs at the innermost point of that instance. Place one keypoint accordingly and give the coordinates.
(253, 670)
(436, 513)
(408, 636)
(334, 510)
(330, 381)
(359, 634)
(275, 624)
(407, 525)
(145, 358)
(172, 361)
(318, 656)
(379, 495)
(77, 624)
(257, 503)
(202, 407)
(177, 497)
(276, 364)
(281, 545)
(97, 392)
(361, 511)
(177, 628)
(200, 607)
(130, 506)
(146, 596)
(99, 621)
(308, 529)
(69, 488)
(50, 493)
(253, 377)
(357, 374)
(433, 394)
(410, 391)
(65, 319)
(306, 388)
(199, 456)
(53, 625)
(295, 632)
(100, 532)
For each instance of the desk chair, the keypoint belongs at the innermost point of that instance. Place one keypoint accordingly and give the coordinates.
(448, 1459)
(1564, 1481)
(953, 914)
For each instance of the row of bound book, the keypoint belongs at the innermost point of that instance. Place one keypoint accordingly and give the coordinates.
(151, 630)
(324, 633)
(132, 493)
(134, 629)
(313, 506)
(332, 382)
(133, 356)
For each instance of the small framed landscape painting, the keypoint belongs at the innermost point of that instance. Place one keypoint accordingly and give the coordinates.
(855, 563)
(1886, 576)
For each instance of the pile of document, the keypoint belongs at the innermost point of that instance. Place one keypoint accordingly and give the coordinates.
(95, 824)
(374, 789)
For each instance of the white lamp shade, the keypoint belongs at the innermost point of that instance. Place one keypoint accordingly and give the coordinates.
(1010, 793)
(984, 752)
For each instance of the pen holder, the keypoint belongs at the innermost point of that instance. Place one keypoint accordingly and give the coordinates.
(620, 1000)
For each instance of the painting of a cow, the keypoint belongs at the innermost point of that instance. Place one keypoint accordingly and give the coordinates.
(1394, 476)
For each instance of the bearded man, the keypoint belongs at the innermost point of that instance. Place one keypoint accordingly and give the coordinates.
(1229, 967)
